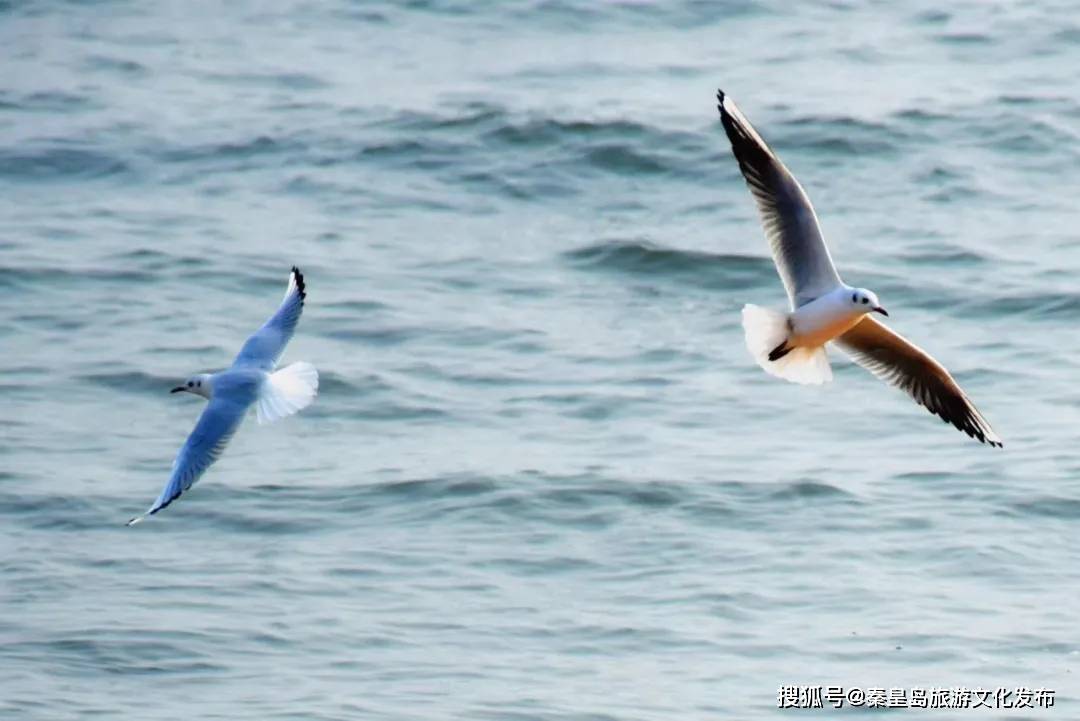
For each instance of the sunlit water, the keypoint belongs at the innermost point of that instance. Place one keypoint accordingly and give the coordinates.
(543, 478)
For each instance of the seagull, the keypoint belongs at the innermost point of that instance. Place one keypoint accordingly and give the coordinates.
(251, 380)
(823, 308)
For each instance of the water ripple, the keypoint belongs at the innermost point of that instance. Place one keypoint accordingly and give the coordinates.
(706, 270)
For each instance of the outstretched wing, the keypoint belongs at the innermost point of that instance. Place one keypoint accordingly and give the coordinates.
(899, 362)
(263, 349)
(214, 429)
(791, 225)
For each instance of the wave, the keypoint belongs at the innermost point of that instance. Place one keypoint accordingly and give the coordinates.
(45, 101)
(1049, 507)
(472, 141)
(54, 511)
(462, 117)
(49, 277)
(943, 254)
(811, 490)
(579, 17)
(622, 158)
(58, 162)
(965, 38)
(130, 381)
(1037, 305)
(249, 148)
(706, 270)
(294, 81)
(839, 135)
(545, 131)
(116, 65)
(117, 652)
(585, 500)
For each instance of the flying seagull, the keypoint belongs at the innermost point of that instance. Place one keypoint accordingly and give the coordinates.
(823, 307)
(251, 380)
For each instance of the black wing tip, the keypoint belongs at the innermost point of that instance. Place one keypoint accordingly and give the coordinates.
(984, 438)
(749, 149)
(300, 287)
(979, 429)
(146, 515)
(969, 426)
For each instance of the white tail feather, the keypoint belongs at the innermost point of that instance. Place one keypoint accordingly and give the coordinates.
(287, 391)
(765, 330)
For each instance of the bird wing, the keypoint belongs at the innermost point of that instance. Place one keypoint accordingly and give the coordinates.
(212, 432)
(899, 362)
(791, 226)
(263, 349)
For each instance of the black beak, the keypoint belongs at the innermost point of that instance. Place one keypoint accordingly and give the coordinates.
(881, 310)
(178, 389)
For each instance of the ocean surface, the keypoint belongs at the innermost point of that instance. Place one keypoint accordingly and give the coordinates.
(543, 479)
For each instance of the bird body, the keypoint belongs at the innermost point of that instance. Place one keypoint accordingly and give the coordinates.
(251, 381)
(823, 319)
(823, 308)
(238, 385)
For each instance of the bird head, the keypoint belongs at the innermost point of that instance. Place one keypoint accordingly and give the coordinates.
(866, 301)
(199, 384)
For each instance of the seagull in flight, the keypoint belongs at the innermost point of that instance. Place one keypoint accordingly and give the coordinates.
(824, 308)
(251, 380)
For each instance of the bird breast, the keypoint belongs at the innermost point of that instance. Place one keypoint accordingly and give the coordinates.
(822, 320)
(240, 385)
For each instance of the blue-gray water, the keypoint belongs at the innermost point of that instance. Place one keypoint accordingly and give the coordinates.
(543, 478)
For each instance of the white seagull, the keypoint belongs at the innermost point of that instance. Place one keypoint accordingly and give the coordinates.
(251, 380)
(823, 307)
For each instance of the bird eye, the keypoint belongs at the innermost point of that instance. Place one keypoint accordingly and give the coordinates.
(854, 297)
(198, 383)
(865, 301)
(189, 384)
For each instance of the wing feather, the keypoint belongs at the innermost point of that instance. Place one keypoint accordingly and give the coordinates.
(899, 362)
(790, 224)
(264, 348)
(213, 431)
